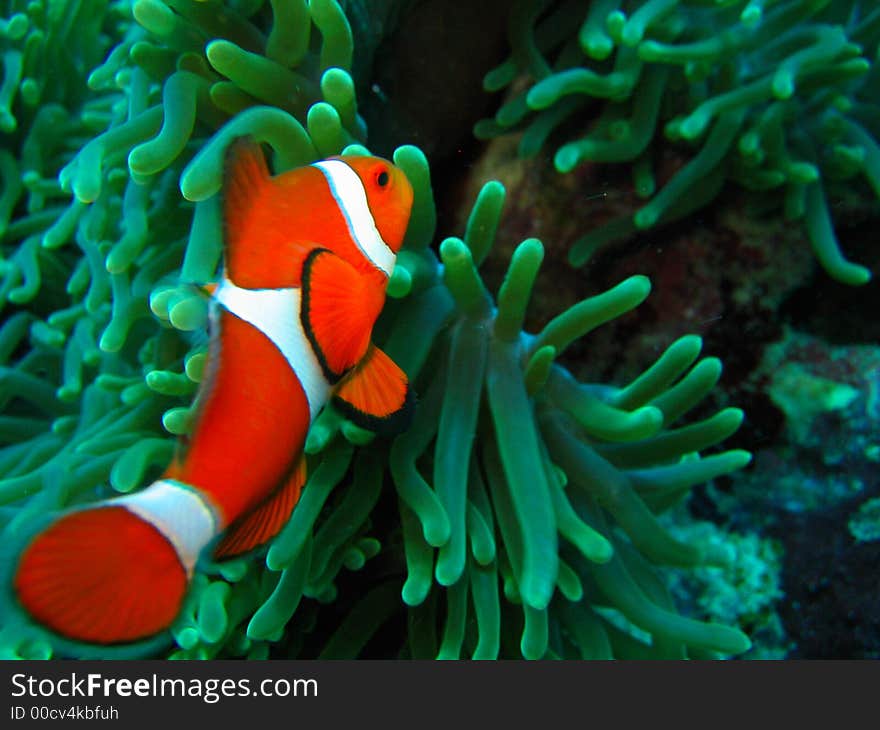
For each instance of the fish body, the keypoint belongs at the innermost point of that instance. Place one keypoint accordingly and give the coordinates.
(307, 257)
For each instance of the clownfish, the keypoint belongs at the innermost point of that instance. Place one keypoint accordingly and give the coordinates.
(307, 257)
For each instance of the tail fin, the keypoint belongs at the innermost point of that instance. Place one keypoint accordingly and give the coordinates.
(102, 575)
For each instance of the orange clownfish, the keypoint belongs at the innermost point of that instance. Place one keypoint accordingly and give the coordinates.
(307, 257)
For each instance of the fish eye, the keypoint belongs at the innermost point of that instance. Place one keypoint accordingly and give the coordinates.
(382, 178)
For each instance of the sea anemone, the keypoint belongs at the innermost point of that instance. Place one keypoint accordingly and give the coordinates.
(778, 97)
(527, 499)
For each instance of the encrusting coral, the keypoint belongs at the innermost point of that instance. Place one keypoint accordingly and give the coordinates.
(779, 97)
(743, 593)
(527, 500)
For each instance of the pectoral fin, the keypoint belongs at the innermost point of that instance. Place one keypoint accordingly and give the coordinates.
(376, 395)
(338, 312)
(262, 524)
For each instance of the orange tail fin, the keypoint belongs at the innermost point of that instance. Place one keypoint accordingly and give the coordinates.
(102, 575)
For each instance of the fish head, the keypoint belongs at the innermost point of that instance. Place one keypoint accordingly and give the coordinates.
(389, 196)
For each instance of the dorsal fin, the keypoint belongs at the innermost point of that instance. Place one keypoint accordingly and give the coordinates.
(246, 176)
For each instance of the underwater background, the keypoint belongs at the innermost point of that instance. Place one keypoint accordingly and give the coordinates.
(635, 299)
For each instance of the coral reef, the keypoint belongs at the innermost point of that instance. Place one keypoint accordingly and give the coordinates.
(864, 525)
(813, 489)
(745, 593)
(527, 500)
(827, 450)
(777, 97)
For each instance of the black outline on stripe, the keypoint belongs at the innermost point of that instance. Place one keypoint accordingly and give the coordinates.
(274, 344)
